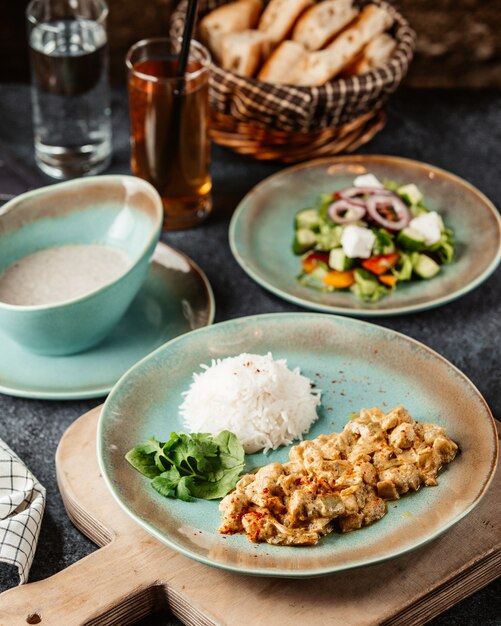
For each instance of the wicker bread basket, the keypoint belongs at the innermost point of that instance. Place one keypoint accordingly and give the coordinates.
(291, 124)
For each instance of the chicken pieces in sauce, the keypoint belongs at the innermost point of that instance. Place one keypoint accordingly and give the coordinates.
(338, 481)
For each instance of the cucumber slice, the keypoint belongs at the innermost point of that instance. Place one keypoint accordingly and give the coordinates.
(303, 240)
(367, 287)
(425, 267)
(410, 194)
(404, 267)
(329, 237)
(444, 248)
(367, 282)
(445, 252)
(418, 210)
(319, 273)
(410, 239)
(308, 218)
(339, 261)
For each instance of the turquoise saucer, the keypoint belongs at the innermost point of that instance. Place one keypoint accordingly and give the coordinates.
(175, 298)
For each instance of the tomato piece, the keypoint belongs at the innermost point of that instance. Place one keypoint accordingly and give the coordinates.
(310, 262)
(309, 265)
(339, 280)
(388, 279)
(380, 264)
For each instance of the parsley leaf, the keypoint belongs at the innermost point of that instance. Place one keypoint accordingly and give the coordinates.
(187, 466)
(142, 457)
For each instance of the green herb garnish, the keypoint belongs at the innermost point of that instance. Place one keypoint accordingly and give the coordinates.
(186, 466)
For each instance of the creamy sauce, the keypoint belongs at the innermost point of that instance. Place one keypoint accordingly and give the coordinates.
(61, 273)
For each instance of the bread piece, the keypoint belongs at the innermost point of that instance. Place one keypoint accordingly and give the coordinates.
(280, 16)
(319, 67)
(228, 18)
(322, 21)
(375, 54)
(282, 62)
(245, 52)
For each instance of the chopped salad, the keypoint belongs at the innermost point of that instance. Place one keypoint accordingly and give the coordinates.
(369, 237)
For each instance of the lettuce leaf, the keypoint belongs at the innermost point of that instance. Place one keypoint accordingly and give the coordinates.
(187, 466)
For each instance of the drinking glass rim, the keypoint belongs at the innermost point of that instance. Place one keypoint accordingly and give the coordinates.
(207, 61)
(34, 20)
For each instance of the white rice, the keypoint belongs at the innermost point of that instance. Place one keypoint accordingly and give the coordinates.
(259, 399)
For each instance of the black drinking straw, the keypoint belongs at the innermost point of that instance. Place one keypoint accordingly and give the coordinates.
(189, 24)
(179, 88)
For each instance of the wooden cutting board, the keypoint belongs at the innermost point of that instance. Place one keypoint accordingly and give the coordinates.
(134, 575)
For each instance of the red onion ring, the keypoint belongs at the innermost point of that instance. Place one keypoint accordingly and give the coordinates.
(351, 193)
(354, 211)
(398, 205)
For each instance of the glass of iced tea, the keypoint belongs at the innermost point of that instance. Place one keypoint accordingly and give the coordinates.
(170, 145)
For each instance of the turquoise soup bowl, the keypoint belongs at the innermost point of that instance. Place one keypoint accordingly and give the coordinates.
(122, 212)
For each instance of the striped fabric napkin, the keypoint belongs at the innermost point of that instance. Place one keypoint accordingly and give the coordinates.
(22, 503)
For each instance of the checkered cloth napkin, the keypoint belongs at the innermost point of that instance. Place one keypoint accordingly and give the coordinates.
(22, 503)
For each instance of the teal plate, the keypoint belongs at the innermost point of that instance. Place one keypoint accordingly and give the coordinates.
(356, 365)
(175, 298)
(262, 230)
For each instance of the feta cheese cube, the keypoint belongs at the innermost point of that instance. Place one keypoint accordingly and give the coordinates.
(367, 180)
(429, 225)
(357, 242)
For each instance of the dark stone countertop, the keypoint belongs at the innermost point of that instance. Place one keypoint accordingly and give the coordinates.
(459, 131)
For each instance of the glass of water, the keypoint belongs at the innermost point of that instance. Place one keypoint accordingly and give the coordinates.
(70, 93)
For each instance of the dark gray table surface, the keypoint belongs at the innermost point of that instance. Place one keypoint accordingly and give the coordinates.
(459, 131)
